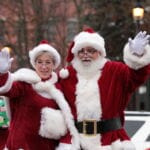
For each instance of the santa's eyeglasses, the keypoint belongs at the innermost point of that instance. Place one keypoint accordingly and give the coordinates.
(84, 51)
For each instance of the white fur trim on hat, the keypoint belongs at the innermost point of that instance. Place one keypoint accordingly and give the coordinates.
(84, 39)
(44, 47)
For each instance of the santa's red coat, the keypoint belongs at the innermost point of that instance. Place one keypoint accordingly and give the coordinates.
(116, 84)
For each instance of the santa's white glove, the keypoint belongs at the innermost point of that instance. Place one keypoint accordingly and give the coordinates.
(138, 44)
(5, 61)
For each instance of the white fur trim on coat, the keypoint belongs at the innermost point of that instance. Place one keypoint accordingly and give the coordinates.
(26, 75)
(5, 88)
(122, 145)
(128, 145)
(53, 125)
(63, 146)
(136, 62)
(31, 77)
(64, 107)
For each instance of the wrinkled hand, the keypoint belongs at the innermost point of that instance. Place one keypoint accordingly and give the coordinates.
(5, 61)
(138, 44)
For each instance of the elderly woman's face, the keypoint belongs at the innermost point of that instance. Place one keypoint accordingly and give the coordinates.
(44, 65)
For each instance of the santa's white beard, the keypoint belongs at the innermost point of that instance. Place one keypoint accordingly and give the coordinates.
(88, 68)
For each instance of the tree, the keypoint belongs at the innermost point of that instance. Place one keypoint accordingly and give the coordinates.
(113, 20)
(27, 22)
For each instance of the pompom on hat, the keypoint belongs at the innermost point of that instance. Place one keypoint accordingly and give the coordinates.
(88, 37)
(44, 46)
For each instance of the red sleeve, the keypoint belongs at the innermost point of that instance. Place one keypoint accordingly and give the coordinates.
(3, 79)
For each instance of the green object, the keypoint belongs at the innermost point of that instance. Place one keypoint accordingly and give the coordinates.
(4, 120)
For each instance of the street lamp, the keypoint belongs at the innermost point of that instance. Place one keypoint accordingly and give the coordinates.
(7, 48)
(138, 14)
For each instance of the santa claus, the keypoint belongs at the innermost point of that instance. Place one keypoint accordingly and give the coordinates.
(98, 90)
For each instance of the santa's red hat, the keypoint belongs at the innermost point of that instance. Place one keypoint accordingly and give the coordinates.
(86, 38)
(44, 46)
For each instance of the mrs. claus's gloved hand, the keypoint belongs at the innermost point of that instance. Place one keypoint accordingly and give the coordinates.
(138, 44)
(5, 61)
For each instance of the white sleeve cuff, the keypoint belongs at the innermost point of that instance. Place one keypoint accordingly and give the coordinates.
(51, 119)
(134, 61)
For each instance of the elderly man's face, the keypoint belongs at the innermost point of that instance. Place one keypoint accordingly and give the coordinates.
(88, 54)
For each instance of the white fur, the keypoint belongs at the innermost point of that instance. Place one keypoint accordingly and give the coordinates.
(26, 75)
(84, 39)
(122, 145)
(5, 88)
(63, 73)
(117, 145)
(88, 98)
(89, 107)
(134, 61)
(52, 123)
(90, 142)
(44, 47)
(128, 145)
(59, 97)
(31, 77)
(63, 146)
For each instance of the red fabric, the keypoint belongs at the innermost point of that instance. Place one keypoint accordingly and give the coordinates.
(25, 123)
(89, 30)
(70, 54)
(116, 85)
(3, 137)
(66, 139)
(3, 79)
(44, 42)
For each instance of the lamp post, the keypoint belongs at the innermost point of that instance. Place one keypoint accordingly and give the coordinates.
(138, 14)
(7, 48)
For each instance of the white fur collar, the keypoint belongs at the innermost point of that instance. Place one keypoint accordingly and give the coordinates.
(30, 76)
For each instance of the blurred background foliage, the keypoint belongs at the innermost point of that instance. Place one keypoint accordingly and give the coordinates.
(24, 23)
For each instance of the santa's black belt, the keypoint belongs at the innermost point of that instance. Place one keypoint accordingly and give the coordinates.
(93, 127)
